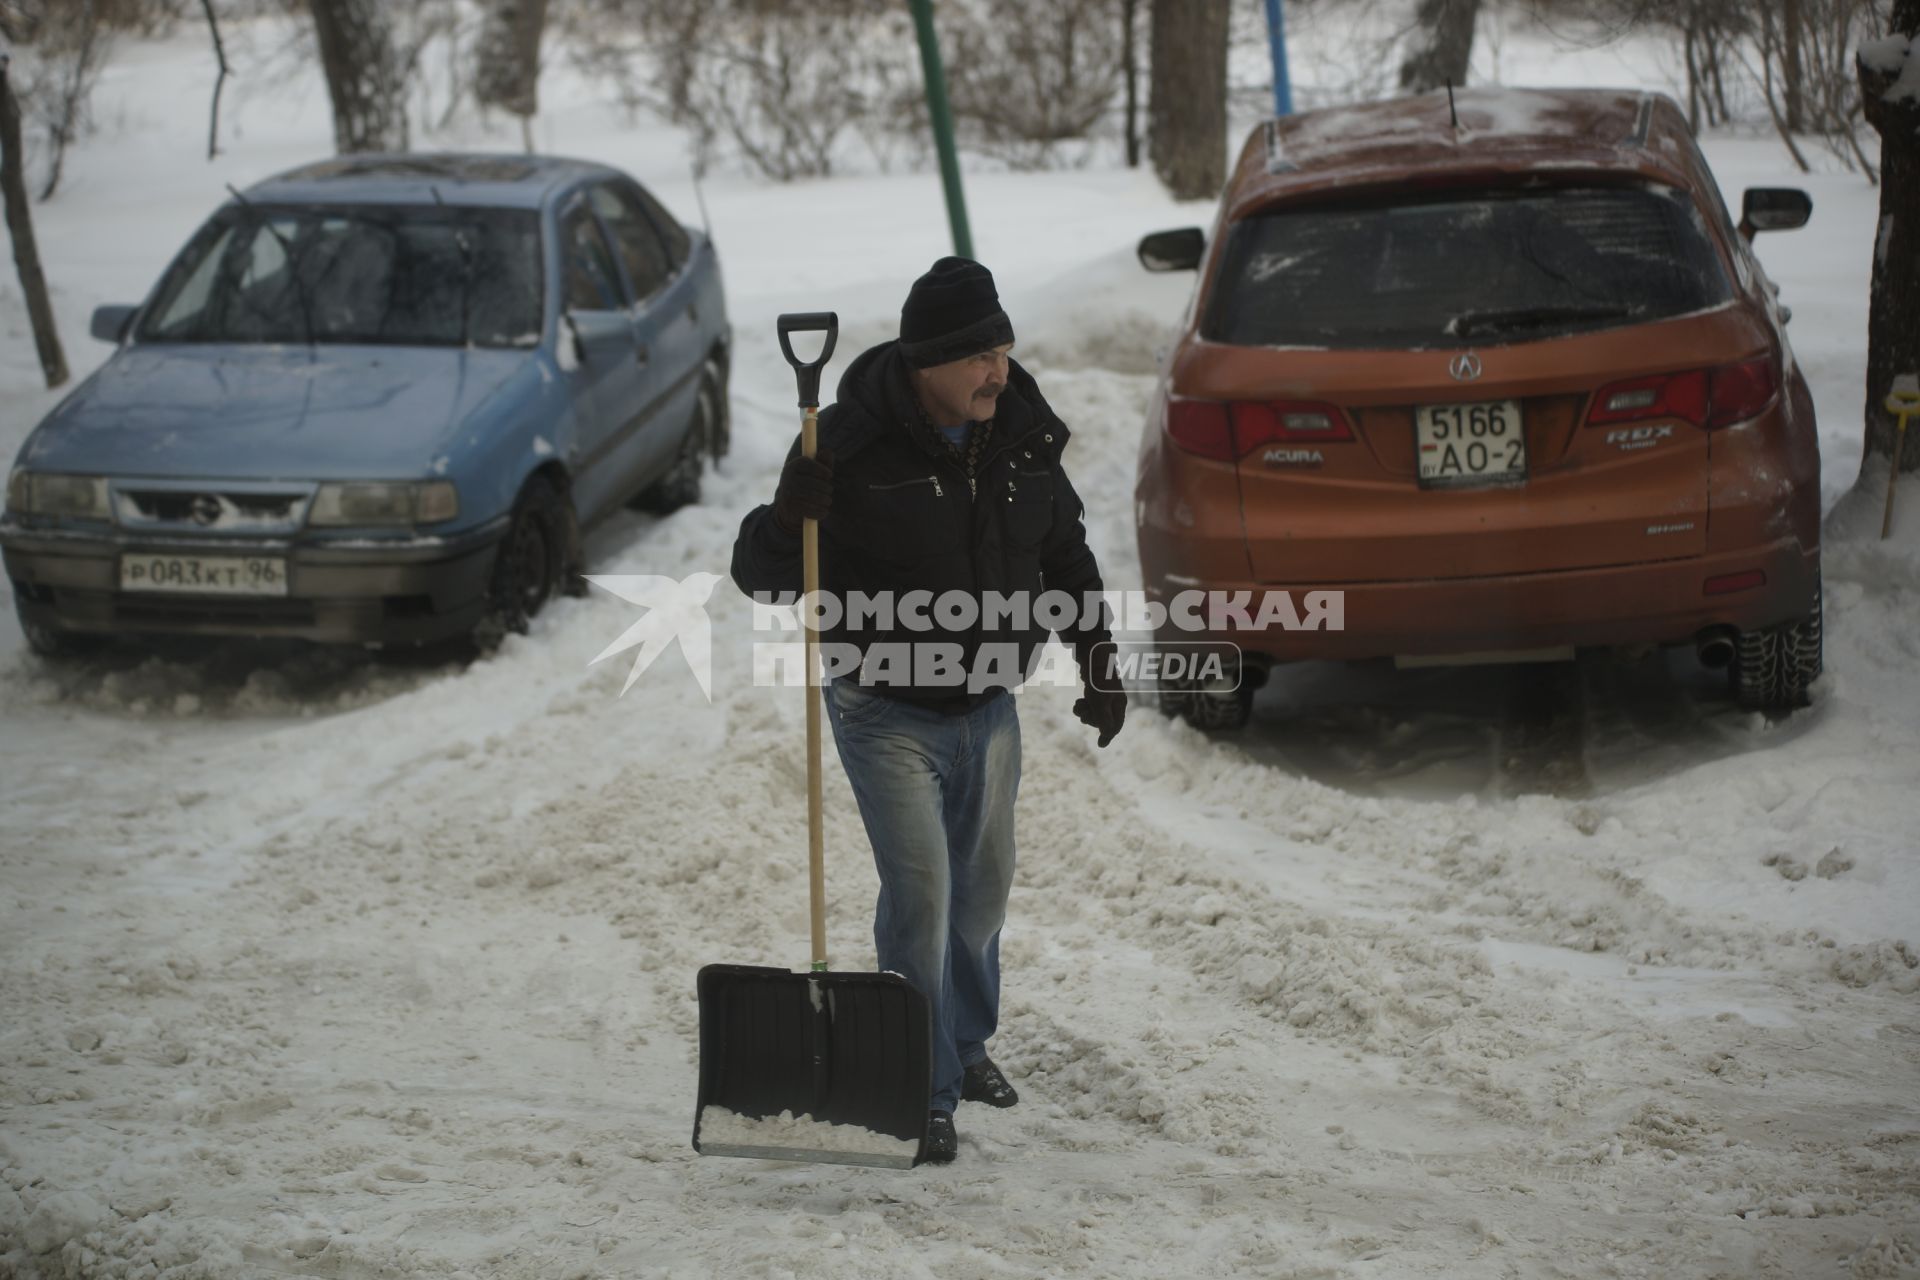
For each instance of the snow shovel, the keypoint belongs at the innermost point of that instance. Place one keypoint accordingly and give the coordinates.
(835, 1068)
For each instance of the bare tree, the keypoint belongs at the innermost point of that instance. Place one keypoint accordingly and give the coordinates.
(70, 43)
(1038, 73)
(1442, 45)
(1803, 62)
(1887, 71)
(1710, 31)
(786, 86)
(1792, 77)
(365, 76)
(1187, 96)
(507, 60)
(26, 255)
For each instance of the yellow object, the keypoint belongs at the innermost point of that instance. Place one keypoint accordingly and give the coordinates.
(1902, 402)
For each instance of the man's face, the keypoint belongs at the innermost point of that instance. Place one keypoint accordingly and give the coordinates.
(963, 390)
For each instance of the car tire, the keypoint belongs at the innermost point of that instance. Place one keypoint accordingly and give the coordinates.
(1774, 667)
(720, 438)
(55, 642)
(529, 566)
(680, 487)
(1207, 709)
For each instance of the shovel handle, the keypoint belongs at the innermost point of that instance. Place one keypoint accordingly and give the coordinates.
(810, 581)
(808, 371)
(1893, 472)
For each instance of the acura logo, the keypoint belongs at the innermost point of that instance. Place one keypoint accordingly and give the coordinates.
(205, 508)
(1465, 367)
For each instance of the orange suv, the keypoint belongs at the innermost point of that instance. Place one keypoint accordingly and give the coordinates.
(1502, 380)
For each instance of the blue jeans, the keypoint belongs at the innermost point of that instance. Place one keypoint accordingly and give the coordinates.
(936, 793)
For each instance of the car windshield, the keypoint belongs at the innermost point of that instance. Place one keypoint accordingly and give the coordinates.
(436, 275)
(1457, 270)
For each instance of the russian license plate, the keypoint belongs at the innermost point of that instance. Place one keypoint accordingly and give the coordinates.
(1467, 444)
(204, 575)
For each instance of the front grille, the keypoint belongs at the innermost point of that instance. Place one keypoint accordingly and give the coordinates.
(212, 508)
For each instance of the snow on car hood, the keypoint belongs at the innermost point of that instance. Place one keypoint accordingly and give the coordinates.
(269, 412)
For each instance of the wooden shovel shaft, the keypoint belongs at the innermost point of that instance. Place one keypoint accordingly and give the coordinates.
(1893, 477)
(810, 580)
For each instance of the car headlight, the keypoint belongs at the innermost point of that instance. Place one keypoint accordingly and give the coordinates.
(40, 494)
(364, 503)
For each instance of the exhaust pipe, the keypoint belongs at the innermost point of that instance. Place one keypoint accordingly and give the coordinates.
(1714, 648)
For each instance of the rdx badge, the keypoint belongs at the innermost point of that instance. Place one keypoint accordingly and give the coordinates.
(1638, 437)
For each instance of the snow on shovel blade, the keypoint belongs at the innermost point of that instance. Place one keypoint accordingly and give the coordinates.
(830, 1067)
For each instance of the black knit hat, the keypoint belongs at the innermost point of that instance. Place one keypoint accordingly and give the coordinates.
(952, 312)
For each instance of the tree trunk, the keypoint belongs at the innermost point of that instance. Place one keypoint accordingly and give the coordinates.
(507, 61)
(1790, 68)
(1187, 96)
(220, 57)
(1893, 305)
(1444, 46)
(363, 75)
(26, 256)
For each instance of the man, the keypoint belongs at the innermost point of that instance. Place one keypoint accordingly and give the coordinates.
(938, 471)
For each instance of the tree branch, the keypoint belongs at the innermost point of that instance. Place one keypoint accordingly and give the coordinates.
(220, 54)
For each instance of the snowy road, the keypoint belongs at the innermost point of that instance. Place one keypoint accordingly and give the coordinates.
(405, 987)
(319, 964)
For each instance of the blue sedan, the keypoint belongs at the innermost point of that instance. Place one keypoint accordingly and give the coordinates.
(374, 400)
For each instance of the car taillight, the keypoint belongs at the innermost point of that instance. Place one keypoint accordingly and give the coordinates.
(1741, 391)
(1228, 432)
(1287, 422)
(1201, 427)
(1704, 397)
(1668, 395)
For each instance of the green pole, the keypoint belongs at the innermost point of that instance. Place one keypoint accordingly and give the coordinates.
(942, 126)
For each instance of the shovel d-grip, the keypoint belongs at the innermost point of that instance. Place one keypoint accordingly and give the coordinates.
(807, 372)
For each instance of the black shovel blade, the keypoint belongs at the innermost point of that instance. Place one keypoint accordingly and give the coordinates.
(851, 1049)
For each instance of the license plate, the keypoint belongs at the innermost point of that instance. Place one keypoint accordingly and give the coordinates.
(1468, 444)
(204, 575)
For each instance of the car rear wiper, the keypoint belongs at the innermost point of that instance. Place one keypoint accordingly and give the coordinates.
(1520, 317)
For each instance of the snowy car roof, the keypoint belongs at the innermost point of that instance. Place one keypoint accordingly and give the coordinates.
(503, 179)
(1500, 131)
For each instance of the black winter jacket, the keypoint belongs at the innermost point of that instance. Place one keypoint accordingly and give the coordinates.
(904, 519)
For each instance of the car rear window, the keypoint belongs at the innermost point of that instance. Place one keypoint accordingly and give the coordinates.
(1456, 270)
(440, 275)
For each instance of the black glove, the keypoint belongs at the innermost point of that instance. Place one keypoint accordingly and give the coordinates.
(1102, 709)
(806, 490)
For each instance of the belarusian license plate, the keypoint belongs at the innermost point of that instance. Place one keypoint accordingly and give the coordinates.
(204, 575)
(1467, 444)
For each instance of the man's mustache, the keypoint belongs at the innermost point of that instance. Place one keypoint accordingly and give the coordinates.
(991, 391)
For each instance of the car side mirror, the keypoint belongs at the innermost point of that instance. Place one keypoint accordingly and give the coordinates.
(591, 329)
(110, 323)
(1774, 209)
(1173, 250)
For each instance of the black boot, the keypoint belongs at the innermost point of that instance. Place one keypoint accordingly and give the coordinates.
(984, 1083)
(943, 1144)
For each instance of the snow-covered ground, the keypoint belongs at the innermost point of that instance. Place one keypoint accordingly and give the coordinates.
(327, 965)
